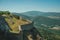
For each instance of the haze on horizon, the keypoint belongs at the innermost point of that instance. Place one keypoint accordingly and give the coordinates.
(30, 5)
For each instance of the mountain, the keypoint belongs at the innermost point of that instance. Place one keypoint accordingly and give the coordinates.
(32, 13)
(38, 13)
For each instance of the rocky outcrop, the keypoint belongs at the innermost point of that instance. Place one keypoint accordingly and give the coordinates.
(3, 28)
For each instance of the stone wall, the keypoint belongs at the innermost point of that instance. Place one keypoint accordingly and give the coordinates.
(30, 32)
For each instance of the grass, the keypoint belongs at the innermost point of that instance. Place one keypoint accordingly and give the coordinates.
(15, 23)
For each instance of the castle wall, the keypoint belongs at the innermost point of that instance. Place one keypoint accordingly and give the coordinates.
(30, 32)
(27, 26)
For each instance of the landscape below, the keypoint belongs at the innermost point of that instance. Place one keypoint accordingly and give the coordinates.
(47, 23)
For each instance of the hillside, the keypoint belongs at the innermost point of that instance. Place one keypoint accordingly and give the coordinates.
(48, 27)
(46, 20)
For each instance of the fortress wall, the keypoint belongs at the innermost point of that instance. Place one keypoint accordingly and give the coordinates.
(30, 32)
(27, 26)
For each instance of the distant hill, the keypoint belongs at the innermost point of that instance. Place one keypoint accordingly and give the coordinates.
(32, 14)
(38, 13)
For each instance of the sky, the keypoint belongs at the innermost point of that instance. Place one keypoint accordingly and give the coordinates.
(30, 5)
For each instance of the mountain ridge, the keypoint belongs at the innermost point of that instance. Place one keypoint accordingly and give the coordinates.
(39, 13)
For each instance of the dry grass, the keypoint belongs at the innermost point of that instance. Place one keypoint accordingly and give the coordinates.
(15, 23)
